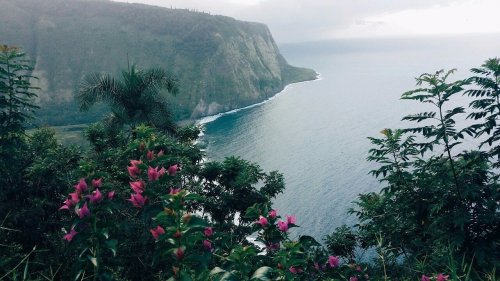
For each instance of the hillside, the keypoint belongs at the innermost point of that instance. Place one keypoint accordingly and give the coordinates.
(221, 63)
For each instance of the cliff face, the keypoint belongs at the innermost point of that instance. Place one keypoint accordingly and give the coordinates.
(221, 63)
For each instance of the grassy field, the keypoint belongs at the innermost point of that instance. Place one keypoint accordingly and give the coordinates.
(70, 135)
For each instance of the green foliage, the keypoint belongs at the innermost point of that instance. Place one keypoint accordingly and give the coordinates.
(230, 189)
(343, 242)
(29, 206)
(487, 105)
(217, 60)
(16, 108)
(16, 93)
(436, 207)
(136, 98)
(147, 206)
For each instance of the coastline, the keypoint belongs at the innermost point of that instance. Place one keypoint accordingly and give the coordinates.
(210, 118)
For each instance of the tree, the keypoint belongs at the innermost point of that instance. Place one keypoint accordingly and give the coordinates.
(436, 205)
(16, 107)
(136, 98)
(487, 104)
(16, 96)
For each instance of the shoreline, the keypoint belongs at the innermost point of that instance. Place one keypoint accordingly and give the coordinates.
(210, 118)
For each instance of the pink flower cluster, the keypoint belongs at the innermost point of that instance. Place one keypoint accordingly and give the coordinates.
(137, 186)
(133, 169)
(333, 261)
(207, 244)
(95, 197)
(156, 232)
(153, 173)
(284, 225)
(151, 155)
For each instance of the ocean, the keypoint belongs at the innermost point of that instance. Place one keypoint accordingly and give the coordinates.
(315, 132)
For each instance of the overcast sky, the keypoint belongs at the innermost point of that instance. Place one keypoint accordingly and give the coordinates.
(310, 20)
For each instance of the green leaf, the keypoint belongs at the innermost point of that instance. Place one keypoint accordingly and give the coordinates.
(104, 232)
(308, 241)
(112, 244)
(262, 273)
(193, 197)
(93, 260)
(228, 276)
(217, 270)
(195, 221)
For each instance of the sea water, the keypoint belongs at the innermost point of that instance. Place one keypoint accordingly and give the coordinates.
(315, 133)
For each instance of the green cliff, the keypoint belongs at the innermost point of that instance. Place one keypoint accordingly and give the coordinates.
(221, 63)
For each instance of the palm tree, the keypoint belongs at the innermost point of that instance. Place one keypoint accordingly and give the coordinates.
(139, 97)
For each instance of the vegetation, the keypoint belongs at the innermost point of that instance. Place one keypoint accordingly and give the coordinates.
(141, 204)
(133, 100)
(220, 63)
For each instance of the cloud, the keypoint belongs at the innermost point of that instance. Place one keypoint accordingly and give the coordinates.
(309, 20)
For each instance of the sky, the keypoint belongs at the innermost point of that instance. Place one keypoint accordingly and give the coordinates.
(315, 20)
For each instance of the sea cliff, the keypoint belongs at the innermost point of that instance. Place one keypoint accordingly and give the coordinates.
(221, 63)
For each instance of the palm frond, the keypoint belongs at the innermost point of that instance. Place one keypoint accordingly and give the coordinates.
(159, 79)
(95, 88)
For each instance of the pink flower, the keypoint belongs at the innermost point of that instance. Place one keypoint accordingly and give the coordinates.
(172, 170)
(283, 226)
(138, 186)
(156, 232)
(155, 173)
(83, 211)
(295, 270)
(67, 205)
(162, 171)
(97, 183)
(71, 201)
(207, 245)
(111, 195)
(160, 153)
(137, 200)
(179, 253)
(69, 236)
(272, 214)
(74, 197)
(96, 196)
(316, 266)
(135, 162)
(208, 231)
(133, 171)
(81, 186)
(291, 219)
(174, 191)
(353, 278)
(333, 261)
(262, 221)
(150, 155)
(442, 277)
(425, 278)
